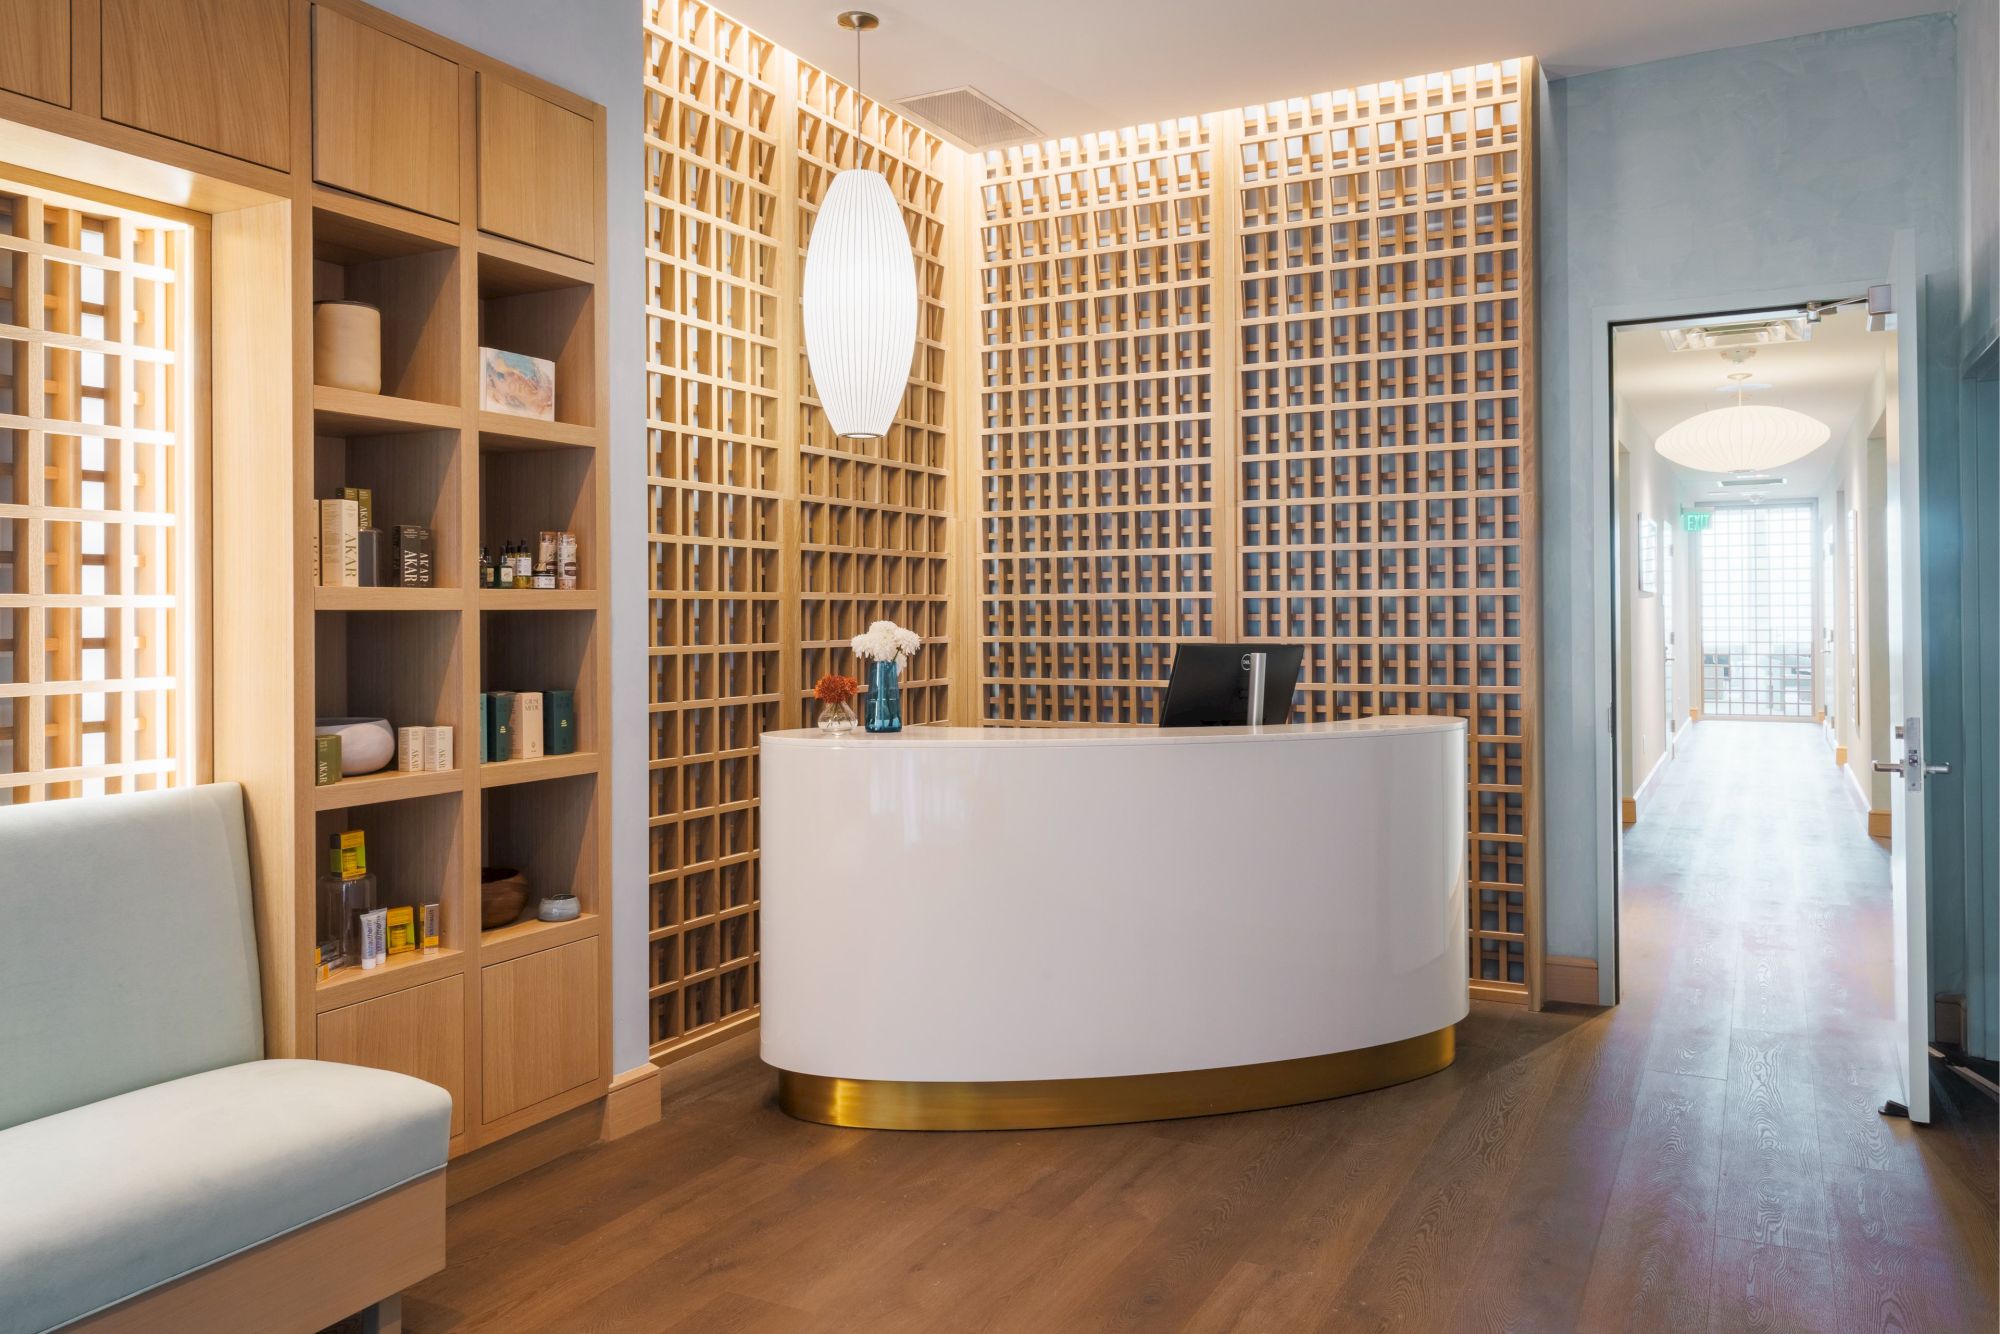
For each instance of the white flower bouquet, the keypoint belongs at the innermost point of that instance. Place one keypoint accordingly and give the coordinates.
(885, 641)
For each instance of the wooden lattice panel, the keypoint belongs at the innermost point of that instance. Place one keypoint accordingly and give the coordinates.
(94, 462)
(715, 291)
(1363, 424)
(874, 515)
(772, 542)
(1385, 470)
(1097, 486)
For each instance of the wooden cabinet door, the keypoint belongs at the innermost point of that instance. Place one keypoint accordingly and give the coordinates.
(212, 73)
(34, 49)
(385, 117)
(418, 1032)
(538, 1027)
(537, 170)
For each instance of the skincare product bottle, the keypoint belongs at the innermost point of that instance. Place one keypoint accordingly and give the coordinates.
(374, 937)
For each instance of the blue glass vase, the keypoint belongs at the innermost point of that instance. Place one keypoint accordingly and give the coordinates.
(885, 698)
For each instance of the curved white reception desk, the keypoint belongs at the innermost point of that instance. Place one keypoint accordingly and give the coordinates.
(977, 928)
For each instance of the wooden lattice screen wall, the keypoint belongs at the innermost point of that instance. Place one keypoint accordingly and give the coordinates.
(1097, 424)
(95, 466)
(772, 542)
(1348, 464)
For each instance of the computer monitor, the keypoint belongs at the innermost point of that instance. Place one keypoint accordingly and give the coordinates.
(1210, 685)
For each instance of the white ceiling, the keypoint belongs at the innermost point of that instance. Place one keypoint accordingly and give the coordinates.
(1830, 377)
(1072, 66)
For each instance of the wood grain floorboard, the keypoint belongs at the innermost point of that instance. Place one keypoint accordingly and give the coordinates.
(1771, 1290)
(1705, 1156)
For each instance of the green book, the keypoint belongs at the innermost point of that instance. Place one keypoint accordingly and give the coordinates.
(559, 722)
(502, 702)
(326, 760)
(485, 730)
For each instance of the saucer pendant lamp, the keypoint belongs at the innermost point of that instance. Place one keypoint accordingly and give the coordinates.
(1744, 437)
(860, 292)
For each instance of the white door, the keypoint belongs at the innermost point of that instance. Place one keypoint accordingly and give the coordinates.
(1911, 901)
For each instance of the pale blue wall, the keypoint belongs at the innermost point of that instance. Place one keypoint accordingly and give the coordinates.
(1773, 172)
(1979, 432)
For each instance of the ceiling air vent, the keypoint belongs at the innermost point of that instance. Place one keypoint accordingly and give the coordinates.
(1722, 335)
(1752, 481)
(970, 118)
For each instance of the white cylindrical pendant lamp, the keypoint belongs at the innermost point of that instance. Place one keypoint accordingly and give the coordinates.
(1745, 437)
(860, 305)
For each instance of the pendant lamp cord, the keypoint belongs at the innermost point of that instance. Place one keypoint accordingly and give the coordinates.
(857, 94)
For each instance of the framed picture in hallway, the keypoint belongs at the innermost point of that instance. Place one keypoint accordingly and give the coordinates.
(1649, 562)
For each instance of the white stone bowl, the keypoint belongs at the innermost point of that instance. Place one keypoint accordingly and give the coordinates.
(366, 744)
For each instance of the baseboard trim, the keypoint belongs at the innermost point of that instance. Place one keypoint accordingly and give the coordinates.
(1569, 979)
(1861, 801)
(523, 1151)
(1881, 824)
(633, 1102)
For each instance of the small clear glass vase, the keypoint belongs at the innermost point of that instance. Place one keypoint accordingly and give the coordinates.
(836, 719)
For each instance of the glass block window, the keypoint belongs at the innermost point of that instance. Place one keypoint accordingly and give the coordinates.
(95, 490)
(1757, 571)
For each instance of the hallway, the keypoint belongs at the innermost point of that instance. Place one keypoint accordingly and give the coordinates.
(1706, 1156)
(1755, 919)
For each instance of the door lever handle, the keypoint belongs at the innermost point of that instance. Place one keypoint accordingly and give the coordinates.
(1937, 768)
(1887, 766)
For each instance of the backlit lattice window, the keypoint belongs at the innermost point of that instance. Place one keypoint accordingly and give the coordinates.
(1757, 613)
(95, 486)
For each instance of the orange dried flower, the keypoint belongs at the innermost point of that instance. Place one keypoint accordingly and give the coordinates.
(836, 689)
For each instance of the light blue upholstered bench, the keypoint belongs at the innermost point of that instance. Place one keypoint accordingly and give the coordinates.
(155, 1172)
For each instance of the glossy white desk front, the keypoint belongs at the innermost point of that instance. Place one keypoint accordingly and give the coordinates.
(985, 927)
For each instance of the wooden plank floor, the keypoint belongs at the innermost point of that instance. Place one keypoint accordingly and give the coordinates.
(1704, 1156)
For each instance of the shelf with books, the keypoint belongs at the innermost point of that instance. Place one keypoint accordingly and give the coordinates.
(409, 488)
(387, 599)
(544, 651)
(502, 773)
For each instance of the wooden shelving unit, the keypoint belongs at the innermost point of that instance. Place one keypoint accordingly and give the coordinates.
(390, 201)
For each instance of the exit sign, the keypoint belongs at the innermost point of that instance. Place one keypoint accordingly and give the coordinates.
(1694, 521)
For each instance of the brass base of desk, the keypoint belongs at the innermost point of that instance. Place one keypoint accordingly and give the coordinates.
(1034, 1104)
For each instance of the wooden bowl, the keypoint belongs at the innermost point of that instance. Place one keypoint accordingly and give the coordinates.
(503, 891)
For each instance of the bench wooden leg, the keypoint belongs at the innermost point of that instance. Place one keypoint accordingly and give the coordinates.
(384, 1317)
